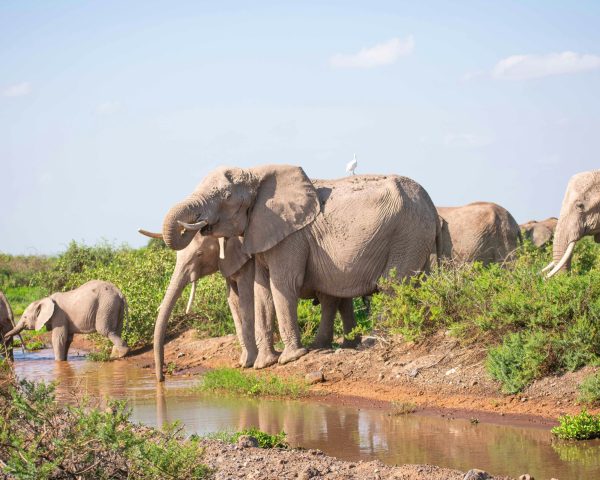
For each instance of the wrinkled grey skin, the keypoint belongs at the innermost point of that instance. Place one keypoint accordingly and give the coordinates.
(338, 240)
(7, 323)
(480, 231)
(201, 258)
(96, 306)
(539, 233)
(579, 216)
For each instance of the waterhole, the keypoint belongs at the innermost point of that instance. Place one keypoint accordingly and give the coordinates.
(347, 433)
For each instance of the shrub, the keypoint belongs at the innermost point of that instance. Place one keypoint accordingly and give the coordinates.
(265, 440)
(41, 439)
(236, 382)
(589, 390)
(583, 426)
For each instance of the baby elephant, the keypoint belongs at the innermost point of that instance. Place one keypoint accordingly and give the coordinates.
(96, 306)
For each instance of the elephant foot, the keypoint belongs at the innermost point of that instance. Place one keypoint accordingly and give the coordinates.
(118, 352)
(265, 359)
(291, 354)
(247, 359)
(321, 344)
(355, 342)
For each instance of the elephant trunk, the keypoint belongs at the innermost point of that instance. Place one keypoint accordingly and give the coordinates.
(187, 211)
(15, 331)
(176, 286)
(566, 235)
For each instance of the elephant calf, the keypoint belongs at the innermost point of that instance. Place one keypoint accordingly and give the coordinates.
(96, 306)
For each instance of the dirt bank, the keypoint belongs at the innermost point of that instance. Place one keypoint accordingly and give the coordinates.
(235, 461)
(436, 374)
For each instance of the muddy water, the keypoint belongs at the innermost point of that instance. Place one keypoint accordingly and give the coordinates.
(344, 432)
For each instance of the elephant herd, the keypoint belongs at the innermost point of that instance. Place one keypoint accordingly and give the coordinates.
(278, 236)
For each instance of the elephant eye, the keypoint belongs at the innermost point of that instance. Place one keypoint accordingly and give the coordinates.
(579, 206)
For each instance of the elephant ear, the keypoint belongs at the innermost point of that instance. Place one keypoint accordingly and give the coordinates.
(44, 312)
(286, 201)
(235, 258)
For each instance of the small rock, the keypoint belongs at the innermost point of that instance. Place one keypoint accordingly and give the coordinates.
(526, 476)
(381, 376)
(451, 371)
(413, 373)
(473, 383)
(180, 354)
(524, 399)
(309, 473)
(314, 377)
(475, 474)
(247, 441)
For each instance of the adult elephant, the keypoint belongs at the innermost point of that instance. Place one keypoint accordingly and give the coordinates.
(480, 231)
(339, 240)
(540, 233)
(206, 255)
(579, 216)
(7, 323)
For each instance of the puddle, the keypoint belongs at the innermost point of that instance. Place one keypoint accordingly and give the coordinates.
(344, 432)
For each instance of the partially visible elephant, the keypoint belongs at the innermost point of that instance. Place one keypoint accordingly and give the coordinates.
(480, 231)
(540, 233)
(206, 255)
(579, 216)
(96, 306)
(338, 239)
(7, 323)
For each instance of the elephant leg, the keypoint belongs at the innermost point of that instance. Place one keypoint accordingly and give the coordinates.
(245, 288)
(60, 336)
(120, 348)
(329, 307)
(346, 308)
(69, 342)
(263, 318)
(286, 308)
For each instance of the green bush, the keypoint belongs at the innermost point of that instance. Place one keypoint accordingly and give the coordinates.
(265, 440)
(589, 390)
(234, 381)
(41, 439)
(542, 326)
(583, 426)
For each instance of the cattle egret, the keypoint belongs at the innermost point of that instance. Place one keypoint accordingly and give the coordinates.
(352, 165)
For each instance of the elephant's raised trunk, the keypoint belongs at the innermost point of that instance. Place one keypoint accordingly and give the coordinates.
(176, 286)
(188, 211)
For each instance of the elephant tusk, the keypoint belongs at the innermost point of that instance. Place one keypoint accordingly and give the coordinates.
(150, 234)
(222, 248)
(191, 300)
(193, 226)
(548, 267)
(563, 260)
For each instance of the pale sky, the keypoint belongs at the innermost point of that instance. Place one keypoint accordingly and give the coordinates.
(112, 111)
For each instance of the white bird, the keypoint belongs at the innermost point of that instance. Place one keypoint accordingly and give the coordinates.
(352, 165)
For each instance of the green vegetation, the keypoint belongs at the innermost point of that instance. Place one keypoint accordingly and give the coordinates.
(41, 439)
(583, 426)
(531, 327)
(265, 440)
(589, 390)
(234, 381)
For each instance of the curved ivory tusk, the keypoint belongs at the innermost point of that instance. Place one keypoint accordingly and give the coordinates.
(193, 226)
(191, 300)
(548, 267)
(222, 248)
(150, 234)
(563, 260)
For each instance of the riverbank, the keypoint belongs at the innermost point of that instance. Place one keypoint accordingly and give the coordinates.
(438, 375)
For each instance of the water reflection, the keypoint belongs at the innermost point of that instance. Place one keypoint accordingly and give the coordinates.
(347, 433)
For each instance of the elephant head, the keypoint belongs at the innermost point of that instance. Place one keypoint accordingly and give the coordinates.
(540, 233)
(263, 205)
(35, 316)
(579, 216)
(203, 256)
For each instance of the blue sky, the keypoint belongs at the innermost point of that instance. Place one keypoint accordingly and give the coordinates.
(112, 111)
